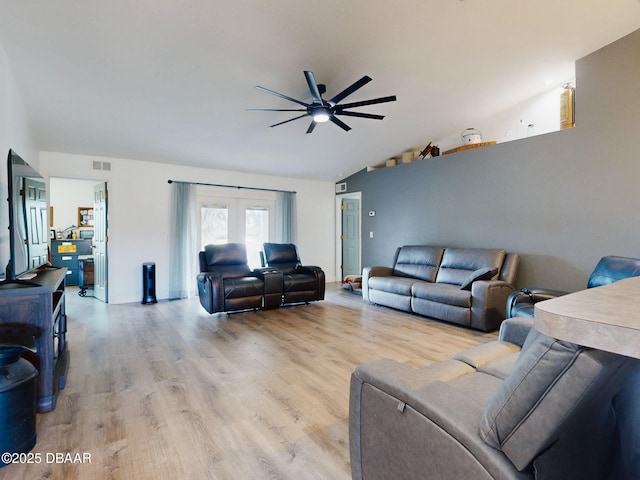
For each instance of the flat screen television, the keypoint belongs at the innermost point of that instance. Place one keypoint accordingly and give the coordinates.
(28, 219)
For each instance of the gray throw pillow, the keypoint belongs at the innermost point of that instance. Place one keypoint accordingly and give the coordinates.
(485, 273)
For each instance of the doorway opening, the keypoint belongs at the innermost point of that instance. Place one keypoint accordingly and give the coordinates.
(349, 238)
(79, 233)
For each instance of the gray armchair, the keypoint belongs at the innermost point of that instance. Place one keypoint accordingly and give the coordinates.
(523, 407)
(608, 270)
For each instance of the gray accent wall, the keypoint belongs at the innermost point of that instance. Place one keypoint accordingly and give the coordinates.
(561, 200)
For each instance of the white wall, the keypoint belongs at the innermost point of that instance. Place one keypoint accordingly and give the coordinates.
(65, 196)
(15, 134)
(536, 116)
(14, 123)
(139, 206)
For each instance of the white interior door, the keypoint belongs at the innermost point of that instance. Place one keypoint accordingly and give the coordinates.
(349, 234)
(100, 241)
(350, 237)
(35, 199)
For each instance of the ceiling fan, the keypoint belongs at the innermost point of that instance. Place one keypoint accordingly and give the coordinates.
(321, 110)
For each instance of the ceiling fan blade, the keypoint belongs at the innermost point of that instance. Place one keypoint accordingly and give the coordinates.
(340, 123)
(282, 96)
(313, 86)
(290, 120)
(392, 98)
(276, 110)
(312, 126)
(358, 114)
(349, 90)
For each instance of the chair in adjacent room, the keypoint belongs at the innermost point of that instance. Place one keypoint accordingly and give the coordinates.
(301, 283)
(226, 283)
(608, 270)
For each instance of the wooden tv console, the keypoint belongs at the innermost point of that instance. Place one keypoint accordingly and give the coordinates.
(43, 306)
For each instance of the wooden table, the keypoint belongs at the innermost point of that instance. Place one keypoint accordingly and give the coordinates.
(606, 318)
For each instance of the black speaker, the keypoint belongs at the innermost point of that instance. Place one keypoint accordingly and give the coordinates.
(149, 283)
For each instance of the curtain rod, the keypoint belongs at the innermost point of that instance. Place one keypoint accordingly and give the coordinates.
(232, 186)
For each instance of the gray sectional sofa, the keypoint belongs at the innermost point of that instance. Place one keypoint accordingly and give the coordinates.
(522, 407)
(466, 286)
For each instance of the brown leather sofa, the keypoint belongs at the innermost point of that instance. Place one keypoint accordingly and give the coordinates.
(226, 283)
(466, 286)
(300, 283)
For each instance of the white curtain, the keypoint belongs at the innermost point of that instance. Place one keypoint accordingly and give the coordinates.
(183, 255)
(285, 217)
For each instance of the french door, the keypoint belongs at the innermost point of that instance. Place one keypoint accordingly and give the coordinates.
(241, 220)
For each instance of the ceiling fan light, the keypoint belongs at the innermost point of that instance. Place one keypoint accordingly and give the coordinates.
(320, 117)
(321, 114)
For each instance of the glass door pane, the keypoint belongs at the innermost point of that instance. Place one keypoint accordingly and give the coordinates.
(214, 225)
(256, 233)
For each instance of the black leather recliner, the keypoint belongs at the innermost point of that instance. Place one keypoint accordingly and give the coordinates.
(301, 283)
(226, 283)
(608, 270)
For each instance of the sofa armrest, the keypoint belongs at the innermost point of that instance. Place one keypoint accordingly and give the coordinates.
(520, 303)
(515, 330)
(211, 291)
(320, 278)
(273, 284)
(308, 269)
(488, 303)
(403, 380)
(368, 272)
(397, 379)
(540, 294)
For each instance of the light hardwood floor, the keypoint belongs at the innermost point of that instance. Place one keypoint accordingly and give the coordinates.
(166, 391)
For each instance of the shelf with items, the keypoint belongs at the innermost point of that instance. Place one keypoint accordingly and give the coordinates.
(42, 306)
(469, 146)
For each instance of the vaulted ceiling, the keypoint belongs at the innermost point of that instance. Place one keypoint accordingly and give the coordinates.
(170, 81)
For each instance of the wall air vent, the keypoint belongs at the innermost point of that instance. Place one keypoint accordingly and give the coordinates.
(97, 165)
(341, 187)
